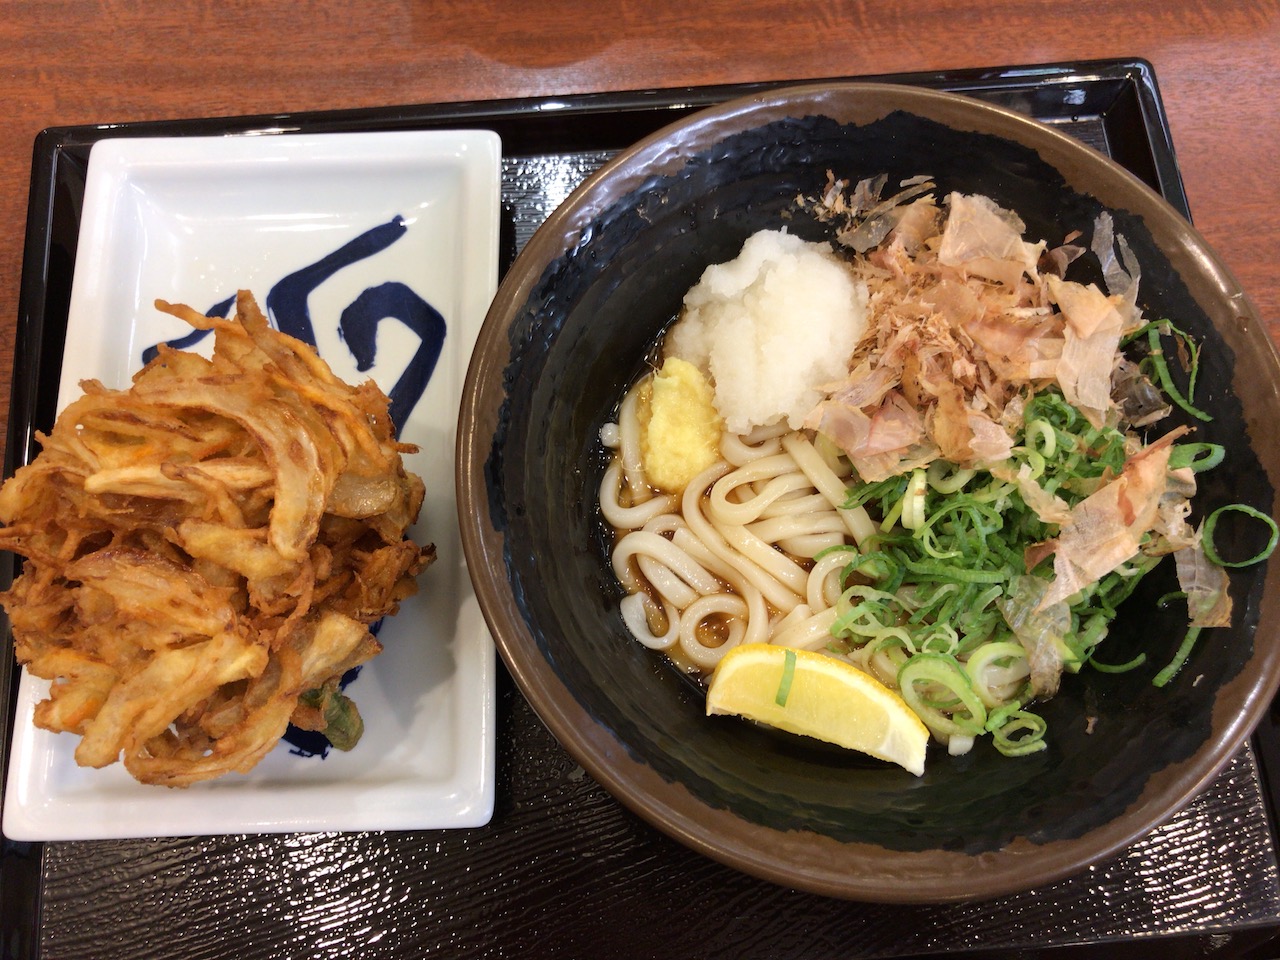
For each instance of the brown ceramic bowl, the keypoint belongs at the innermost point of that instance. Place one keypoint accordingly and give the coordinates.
(568, 332)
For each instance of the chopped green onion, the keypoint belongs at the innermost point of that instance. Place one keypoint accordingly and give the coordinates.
(944, 571)
(947, 477)
(913, 501)
(836, 548)
(1186, 341)
(1179, 658)
(941, 673)
(952, 543)
(1125, 667)
(1198, 456)
(788, 674)
(1211, 551)
(1044, 432)
(1166, 381)
(1032, 729)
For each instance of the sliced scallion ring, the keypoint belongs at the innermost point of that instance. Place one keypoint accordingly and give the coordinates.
(1211, 522)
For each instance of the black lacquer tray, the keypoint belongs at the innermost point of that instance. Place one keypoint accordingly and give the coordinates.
(563, 870)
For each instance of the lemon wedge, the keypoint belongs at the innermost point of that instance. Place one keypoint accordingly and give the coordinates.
(817, 696)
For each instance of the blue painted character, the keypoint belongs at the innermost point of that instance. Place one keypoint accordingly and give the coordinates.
(287, 306)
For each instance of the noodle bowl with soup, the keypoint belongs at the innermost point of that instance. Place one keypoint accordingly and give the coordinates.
(556, 452)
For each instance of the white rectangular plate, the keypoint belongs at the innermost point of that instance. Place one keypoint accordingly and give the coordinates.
(191, 220)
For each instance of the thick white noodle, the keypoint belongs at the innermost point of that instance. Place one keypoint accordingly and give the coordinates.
(757, 608)
(776, 529)
(666, 524)
(823, 588)
(798, 502)
(810, 633)
(810, 545)
(829, 485)
(799, 614)
(883, 666)
(779, 475)
(633, 609)
(629, 447)
(760, 442)
(637, 515)
(666, 582)
(691, 645)
(724, 549)
(639, 542)
(778, 594)
(779, 566)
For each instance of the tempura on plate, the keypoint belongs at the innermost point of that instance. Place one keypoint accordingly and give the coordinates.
(206, 551)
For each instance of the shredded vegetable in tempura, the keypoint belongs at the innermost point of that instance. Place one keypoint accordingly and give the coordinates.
(963, 509)
(206, 552)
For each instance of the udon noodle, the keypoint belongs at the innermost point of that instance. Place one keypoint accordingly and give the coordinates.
(732, 559)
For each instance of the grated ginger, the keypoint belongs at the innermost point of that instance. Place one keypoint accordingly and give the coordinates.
(680, 428)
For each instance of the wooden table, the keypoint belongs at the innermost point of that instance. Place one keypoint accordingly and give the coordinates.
(87, 61)
(93, 61)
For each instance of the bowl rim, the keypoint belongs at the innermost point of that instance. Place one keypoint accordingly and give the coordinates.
(861, 872)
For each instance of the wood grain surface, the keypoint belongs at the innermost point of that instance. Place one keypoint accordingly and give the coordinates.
(103, 61)
(66, 62)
